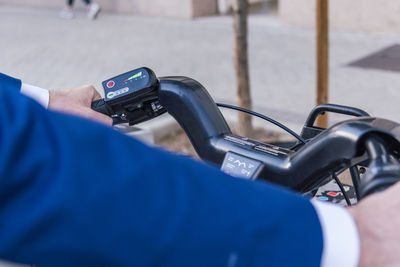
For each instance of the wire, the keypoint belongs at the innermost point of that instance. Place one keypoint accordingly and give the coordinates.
(346, 197)
(355, 177)
(298, 137)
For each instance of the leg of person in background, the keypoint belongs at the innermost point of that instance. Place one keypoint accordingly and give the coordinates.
(66, 12)
(94, 9)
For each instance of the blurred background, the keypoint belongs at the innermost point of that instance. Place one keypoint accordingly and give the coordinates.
(195, 38)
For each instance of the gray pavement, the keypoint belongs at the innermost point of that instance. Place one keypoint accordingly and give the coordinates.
(44, 50)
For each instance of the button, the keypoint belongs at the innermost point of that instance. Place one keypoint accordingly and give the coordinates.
(110, 95)
(323, 198)
(110, 84)
(333, 194)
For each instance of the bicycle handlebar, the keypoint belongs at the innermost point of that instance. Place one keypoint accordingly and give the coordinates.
(337, 148)
(190, 104)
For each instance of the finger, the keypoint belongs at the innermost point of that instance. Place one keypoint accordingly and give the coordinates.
(90, 91)
(104, 119)
(96, 95)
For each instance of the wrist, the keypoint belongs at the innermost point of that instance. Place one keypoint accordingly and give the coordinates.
(55, 99)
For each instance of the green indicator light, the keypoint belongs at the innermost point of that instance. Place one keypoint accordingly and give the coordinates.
(137, 75)
(110, 95)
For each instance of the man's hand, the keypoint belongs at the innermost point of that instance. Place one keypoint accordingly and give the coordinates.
(77, 101)
(378, 221)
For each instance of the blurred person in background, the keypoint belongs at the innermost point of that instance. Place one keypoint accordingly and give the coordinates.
(93, 9)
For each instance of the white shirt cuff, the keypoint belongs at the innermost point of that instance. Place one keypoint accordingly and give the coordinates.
(38, 94)
(341, 241)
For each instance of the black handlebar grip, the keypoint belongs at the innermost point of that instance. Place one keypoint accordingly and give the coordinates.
(383, 170)
(102, 107)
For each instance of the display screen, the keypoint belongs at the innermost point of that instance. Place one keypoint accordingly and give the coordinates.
(126, 83)
(241, 166)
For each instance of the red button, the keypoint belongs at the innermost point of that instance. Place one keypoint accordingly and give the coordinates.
(110, 84)
(332, 194)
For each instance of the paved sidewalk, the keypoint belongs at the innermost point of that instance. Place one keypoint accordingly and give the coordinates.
(50, 52)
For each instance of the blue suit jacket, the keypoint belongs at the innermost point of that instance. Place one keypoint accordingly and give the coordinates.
(76, 193)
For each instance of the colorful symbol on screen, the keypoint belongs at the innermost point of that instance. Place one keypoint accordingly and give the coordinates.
(110, 84)
(323, 198)
(137, 75)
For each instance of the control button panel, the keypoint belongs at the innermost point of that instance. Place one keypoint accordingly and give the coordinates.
(137, 81)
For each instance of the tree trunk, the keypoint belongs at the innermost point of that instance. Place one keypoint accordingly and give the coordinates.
(242, 66)
(322, 58)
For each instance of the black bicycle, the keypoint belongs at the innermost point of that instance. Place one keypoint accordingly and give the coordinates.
(361, 144)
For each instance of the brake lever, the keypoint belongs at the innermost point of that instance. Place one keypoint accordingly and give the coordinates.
(102, 107)
(130, 113)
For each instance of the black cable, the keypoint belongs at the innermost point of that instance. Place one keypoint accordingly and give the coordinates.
(298, 137)
(346, 197)
(355, 177)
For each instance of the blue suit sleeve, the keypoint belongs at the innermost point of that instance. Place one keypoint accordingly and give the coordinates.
(9, 83)
(75, 193)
